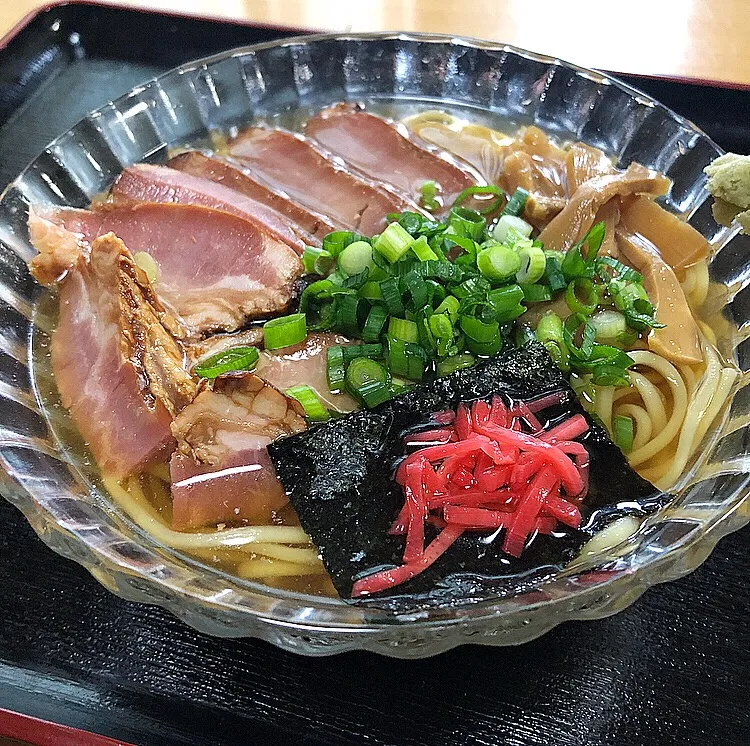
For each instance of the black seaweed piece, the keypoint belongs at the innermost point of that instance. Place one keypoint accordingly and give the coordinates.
(339, 477)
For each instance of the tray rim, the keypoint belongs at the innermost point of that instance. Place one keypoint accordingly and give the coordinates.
(26, 20)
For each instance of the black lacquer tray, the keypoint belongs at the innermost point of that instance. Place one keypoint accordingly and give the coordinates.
(672, 669)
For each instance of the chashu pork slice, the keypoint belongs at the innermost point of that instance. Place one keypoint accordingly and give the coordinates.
(322, 183)
(233, 176)
(159, 184)
(118, 367)
(215, 270)
(221, 471)
(388, 153)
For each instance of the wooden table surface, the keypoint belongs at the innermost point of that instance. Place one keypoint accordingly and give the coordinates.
(704, 39)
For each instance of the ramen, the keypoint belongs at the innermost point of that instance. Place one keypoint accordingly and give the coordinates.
(343, 362)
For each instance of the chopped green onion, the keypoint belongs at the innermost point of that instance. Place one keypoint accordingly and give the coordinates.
(403, 329)
(334, 243)
(553, 273)
(623, 433)
(619, 271)
(405, 359)
(442, 330)
(507, 303)
(429, 196)
(355, 281)
(509, 227)
(626, 293)
(466, 223)
(472, 191)
(347, 317)
(549, 331)
(317, 261)
(355, 258)
(608, 374)
(481, 338)
(640, 316)
(609, 325)
(536, 293)
(366, 350)
(423, 251)
(314, 409)
(416, 224)
(498, 262)
(517, 203)
(285, 331)
(452, 364)
(472, 286)
(371, 291)
(376, 392)
(590, 300)
(414, 291)
(363, 371)
(393, 242)
(373, 327)
(335, 368)
(233, 359)
(449, 306)
(392, 296)
(533, 264)
(439, 270)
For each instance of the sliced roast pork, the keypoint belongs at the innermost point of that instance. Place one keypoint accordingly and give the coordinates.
(296, 166)
(305, 364)
(215, 269)
(386, 152)
(221, 472)
(233, 176)
(159, 184)
(117, 365)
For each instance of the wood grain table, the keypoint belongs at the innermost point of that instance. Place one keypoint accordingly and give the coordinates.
(701, 39)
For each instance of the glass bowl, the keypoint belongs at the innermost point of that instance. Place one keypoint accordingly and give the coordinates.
(46, 477)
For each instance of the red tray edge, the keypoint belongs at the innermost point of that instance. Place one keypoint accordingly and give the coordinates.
(46, 733)
(52, 4)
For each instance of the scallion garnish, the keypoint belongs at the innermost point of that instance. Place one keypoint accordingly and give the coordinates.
(314, 409)
(517, 203)
(498, 198)
(427, 297)
(623, 433)
(228, 361)
(285, 331)
(429, 196)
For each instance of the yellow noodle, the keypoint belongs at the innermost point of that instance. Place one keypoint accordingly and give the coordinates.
(135, 505)
(698, 409)
(261, 568)
(643, 424)
(727, 378)
(603, 405)
(651, 397)
(301, 555)
(679, 405)
(699, 292)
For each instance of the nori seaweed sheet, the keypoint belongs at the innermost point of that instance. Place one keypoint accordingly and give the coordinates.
(339, 477)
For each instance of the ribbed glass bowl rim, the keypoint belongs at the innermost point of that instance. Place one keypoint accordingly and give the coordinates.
(345, 618)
